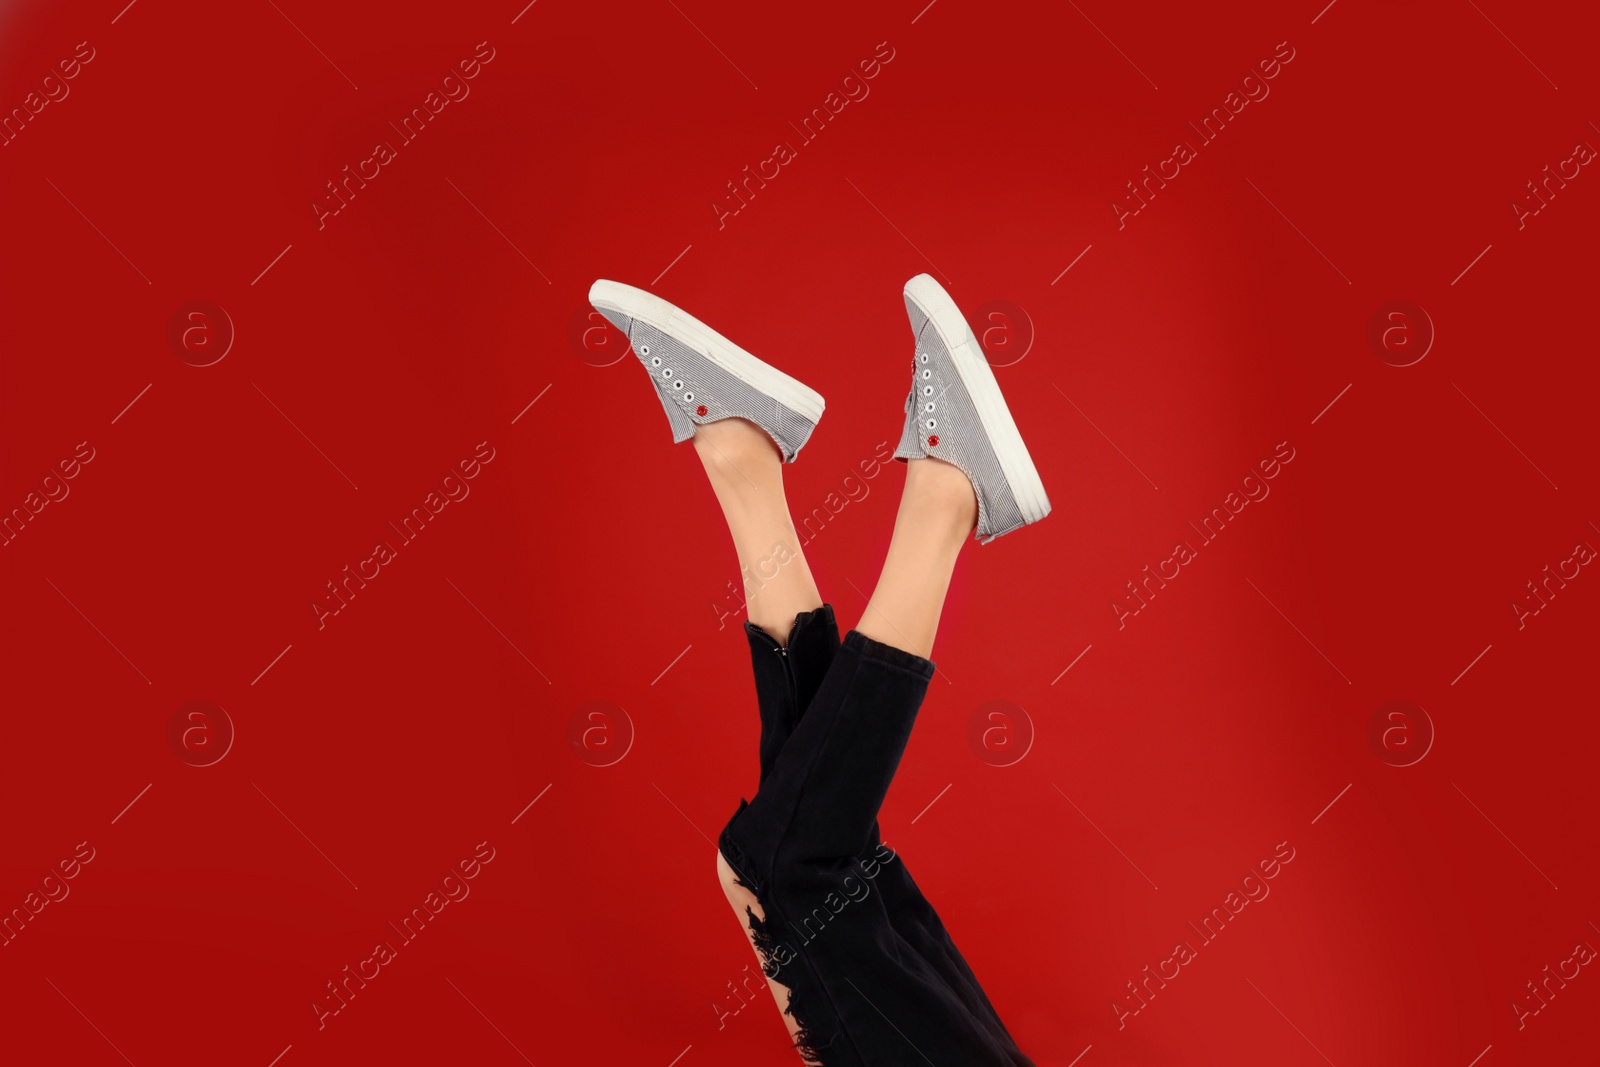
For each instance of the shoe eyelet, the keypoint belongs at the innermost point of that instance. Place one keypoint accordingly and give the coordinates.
(929, 406)
(922, 357)
(701, 410)
(927, 390)
(644, 350)
(932, 424)
(934, 440)
(678, 384)
(926, 374)
(666, 372)
(655, 361)
(689, 397)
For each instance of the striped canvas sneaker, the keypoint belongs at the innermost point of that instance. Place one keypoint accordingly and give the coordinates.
(701, 376)
(955, 413)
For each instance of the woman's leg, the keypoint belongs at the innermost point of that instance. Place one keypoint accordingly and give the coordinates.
(938, 511)
(746, 473)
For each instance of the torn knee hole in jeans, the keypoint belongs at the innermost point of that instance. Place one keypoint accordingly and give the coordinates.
(772, 955)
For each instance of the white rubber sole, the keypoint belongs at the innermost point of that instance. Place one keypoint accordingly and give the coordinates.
(669, 319)
(980, 383)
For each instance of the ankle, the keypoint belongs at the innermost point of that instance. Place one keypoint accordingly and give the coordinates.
(940, 492)
(738, 456)
(737, 441)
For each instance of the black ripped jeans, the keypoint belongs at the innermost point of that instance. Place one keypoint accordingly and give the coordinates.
(874, 978)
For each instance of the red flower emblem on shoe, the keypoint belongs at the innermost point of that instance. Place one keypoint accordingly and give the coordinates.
(701, 410)
(933, 440)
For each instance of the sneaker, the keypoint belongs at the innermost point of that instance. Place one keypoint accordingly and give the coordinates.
(701, 376)
(955, 413)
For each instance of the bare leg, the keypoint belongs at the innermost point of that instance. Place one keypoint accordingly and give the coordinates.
(746, 473)
(938, 512)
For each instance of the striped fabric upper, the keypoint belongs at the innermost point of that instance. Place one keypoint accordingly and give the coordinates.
(694, 390)
(942, 422)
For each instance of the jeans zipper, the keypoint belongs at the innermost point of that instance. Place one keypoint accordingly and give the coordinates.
(788, 665)
(788, 673)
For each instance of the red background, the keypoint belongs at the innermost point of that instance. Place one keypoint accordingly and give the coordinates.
(374, 753)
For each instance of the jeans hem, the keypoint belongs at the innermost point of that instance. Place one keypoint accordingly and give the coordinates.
(888, 655)
(824, 614)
